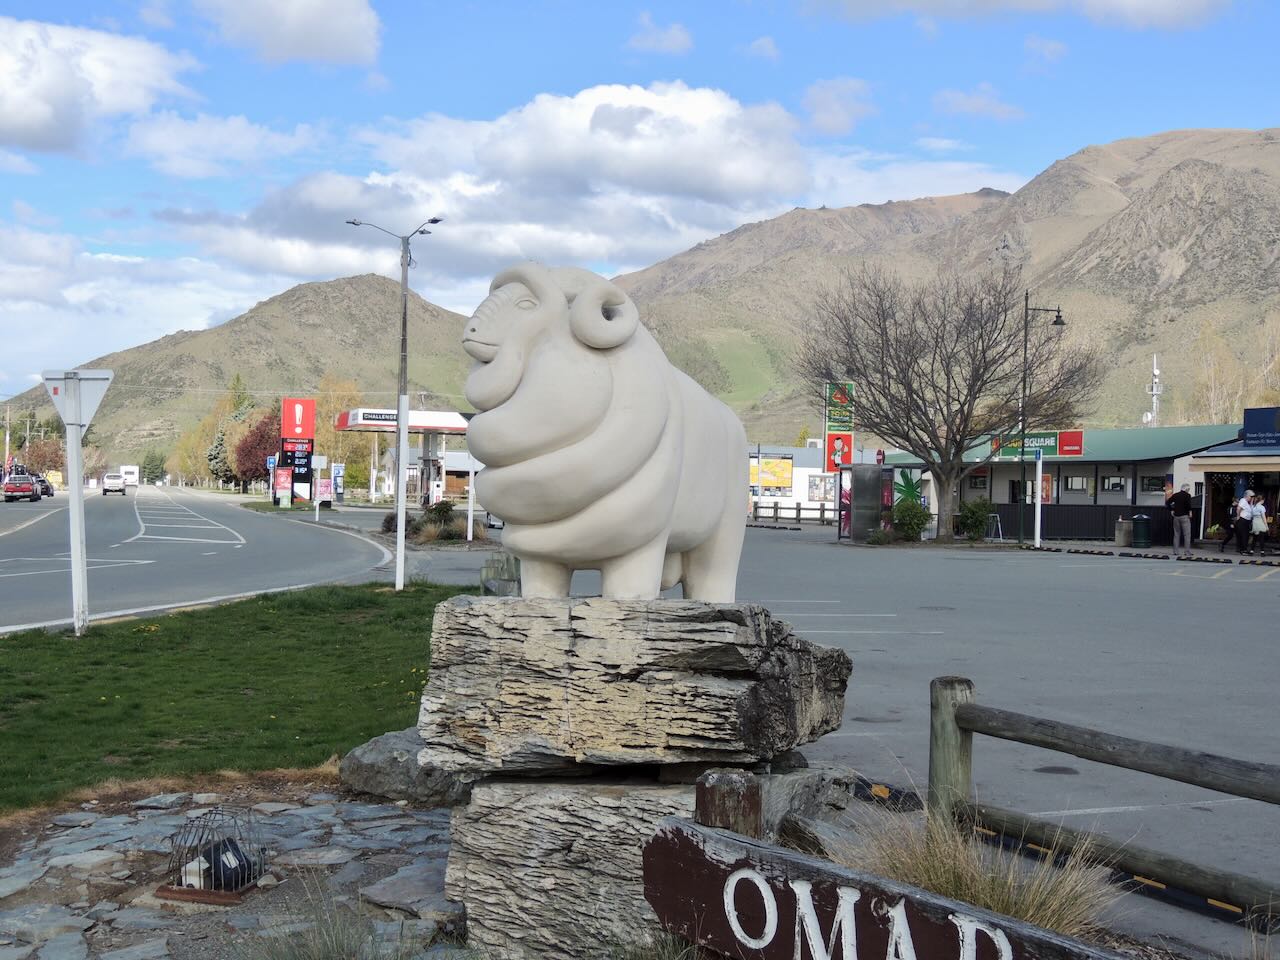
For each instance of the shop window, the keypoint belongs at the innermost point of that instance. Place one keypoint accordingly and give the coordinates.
(1114, 484)
(977, 483)
(1077, 484)
(1153, 484)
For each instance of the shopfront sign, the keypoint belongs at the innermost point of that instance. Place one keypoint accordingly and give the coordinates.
(1050, 443)
(1262, 427)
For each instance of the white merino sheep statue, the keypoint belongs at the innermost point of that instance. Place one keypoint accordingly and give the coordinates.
(599, 454)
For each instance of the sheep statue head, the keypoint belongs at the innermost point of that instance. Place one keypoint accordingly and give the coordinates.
(599, 454)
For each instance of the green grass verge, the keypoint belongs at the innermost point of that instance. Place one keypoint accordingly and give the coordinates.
(281, 680)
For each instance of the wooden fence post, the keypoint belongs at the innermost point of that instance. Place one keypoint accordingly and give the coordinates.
(950, 747)
(775, 511)
(730, 800)
(797, 513)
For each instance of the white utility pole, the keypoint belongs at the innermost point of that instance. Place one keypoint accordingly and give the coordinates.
(4, 465)
(402, 402)
(76, 395)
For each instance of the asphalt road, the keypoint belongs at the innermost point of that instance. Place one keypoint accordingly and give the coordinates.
(162, 547)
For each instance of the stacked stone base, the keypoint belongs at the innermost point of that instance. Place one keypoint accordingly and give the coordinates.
(579, 725)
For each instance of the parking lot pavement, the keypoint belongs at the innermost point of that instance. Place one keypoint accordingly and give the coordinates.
(1169, 652)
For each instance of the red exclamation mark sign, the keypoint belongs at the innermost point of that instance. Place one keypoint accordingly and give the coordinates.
(297, 418)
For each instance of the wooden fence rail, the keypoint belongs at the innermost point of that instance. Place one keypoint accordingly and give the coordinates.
(955, 718)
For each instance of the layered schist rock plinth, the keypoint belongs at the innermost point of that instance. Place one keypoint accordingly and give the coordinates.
(579, 724)
(537, 687)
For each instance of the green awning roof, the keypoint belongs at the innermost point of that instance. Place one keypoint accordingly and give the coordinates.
(1132, 445)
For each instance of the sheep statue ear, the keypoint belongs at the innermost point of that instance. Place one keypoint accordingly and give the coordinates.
(601, 315)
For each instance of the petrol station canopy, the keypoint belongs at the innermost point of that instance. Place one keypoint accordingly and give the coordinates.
(366, 419)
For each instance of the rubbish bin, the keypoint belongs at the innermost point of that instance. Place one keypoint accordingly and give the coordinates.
(1141, 530)
(1124, 532)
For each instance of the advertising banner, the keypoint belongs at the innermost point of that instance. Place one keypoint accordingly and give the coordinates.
(298, 418)
(284, 482)
(838, 426)
(772, 476)
(1046, 488)
(324, 490)
(839, 451)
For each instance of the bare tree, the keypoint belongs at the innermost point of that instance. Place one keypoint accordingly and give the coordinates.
(937, 366)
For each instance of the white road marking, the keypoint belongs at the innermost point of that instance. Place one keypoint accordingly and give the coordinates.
(783, 603)
(840, 615)
(169, 510)
(27, 523)
(913, 633)
(1139, 808)
(60, 570)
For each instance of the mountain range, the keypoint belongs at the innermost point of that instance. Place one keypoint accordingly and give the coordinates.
(1148, 244)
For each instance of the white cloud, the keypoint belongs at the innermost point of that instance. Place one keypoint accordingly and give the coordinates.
(835, 105)
(16, 163)
(155, 13)
(983, 101)
(55, 81)
(210, 146)
(1132, 13)
(763, 47)
(619, 176)
(278, 31)
(942, 144)
(75, 305)
(1045, 50)
(652, 38)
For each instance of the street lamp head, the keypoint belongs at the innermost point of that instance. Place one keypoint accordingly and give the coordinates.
(435, 220)
(1057, 318)
(424, 230)
(355, 223)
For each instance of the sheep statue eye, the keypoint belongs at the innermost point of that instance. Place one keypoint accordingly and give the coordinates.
(525, 304)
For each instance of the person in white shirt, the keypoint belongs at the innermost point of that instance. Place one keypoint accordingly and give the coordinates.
(1258, 525)
(1244, 522)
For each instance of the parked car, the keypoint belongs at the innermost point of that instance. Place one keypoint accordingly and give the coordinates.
(114, 483)
(46, 488)
(19, 486)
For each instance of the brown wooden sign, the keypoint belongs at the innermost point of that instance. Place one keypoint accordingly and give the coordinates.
(748, 900)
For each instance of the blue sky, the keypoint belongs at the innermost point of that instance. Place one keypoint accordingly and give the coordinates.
(165, 164)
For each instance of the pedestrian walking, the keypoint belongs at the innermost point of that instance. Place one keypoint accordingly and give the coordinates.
(1229, 528)
(1244, 522)
(1258, 525)
(1180, 504)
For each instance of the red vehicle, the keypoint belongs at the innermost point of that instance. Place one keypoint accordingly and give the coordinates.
(19, 485)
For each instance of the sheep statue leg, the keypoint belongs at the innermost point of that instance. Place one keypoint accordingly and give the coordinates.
(544, 578)
(638, 573)
(711, 568)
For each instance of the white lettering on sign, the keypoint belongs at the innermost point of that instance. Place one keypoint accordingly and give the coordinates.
(970, 928)
(901, 947)
(770, 909)
(842, 927)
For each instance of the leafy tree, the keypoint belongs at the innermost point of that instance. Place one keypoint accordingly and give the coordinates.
(802, 437)
(94, 462)
(240, 400)
(220, 467)
(261, 441)
(41, 456)
(938, 365)
(153, 466)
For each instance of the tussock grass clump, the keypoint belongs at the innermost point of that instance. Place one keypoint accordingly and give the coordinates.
(1067, 894)
(336, 932)
(662, 948)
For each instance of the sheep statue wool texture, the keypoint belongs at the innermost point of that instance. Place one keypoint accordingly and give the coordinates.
(597, 452)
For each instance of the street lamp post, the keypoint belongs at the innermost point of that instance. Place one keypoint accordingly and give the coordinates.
(1027, 310)
(402, 402)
